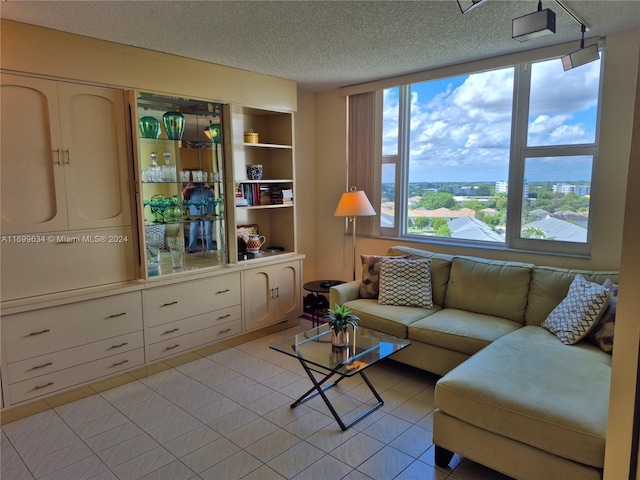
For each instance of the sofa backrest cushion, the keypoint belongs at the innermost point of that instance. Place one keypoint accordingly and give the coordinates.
(550, 285)
(440, 267)
(490, 287)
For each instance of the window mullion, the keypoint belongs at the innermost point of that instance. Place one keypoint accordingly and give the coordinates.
(519, 124)
(402, 180)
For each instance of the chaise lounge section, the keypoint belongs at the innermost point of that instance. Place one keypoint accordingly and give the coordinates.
(512, 396)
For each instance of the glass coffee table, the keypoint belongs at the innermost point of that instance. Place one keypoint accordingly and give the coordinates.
(316, 354)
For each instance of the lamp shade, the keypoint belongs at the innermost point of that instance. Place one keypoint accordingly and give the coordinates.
(354, 204)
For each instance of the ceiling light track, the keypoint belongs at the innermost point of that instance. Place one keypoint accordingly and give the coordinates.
(573, 15)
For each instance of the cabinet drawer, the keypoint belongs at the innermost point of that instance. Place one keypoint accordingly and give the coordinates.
(47, 384)
(199, 322)
(174, 302)
(52, 362)
(42, 331)
(193, 340)
(73, 260)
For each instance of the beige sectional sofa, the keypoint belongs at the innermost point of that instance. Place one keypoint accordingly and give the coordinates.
(512, 396)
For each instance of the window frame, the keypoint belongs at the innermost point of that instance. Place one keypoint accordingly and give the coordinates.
(519, 152)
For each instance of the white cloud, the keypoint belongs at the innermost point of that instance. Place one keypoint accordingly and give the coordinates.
(461, 127)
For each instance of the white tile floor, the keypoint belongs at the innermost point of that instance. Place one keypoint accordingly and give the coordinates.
(226, 417)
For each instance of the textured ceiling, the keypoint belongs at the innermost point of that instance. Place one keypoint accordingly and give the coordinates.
(322, 44)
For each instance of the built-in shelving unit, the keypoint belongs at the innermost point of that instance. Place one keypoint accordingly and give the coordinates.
(267, 202)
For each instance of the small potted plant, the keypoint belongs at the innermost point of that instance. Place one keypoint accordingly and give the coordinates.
(340, 318)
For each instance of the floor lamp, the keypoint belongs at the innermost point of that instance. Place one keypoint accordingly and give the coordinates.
(354, 203)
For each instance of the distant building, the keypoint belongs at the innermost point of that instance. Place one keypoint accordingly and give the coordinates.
(580, 190)
(559, 230)
(468, 228)
(503, 187)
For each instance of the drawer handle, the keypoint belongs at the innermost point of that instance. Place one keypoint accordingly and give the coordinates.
(224, 316)
(40, 332)
(172, 347)
(171, 331)
(42, 366)
(117, 315)
(168, 304)
(224, 331)
(223, 291)
(120, 363)
(118, 346)
(38, 387)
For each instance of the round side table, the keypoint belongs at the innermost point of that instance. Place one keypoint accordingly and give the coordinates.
(316, 288)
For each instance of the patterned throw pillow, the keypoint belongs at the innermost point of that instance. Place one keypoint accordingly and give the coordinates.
(602, 333)
(370, 284)
(405, 282)
(578, 313)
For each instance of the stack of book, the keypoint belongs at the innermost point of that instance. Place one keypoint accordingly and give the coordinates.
(253, 194)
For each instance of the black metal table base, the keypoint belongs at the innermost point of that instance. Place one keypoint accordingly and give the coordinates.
(319, 389)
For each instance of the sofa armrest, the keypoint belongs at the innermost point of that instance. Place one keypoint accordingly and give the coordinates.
(344, 292)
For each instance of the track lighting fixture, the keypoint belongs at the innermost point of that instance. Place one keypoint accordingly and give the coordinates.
(582, 56)
(534, 25)
(466, 5)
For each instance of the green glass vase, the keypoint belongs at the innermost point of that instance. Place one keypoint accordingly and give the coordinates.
(149, 127)
(173, 125)
(215, 132)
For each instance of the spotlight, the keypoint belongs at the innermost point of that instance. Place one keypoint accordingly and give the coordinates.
(582, 56)
(466, 5)
(534, 25)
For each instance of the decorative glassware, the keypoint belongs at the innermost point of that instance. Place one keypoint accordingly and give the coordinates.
(154, 173)
(215, 132)
(149, 127)
(169, 169)
(173, 125)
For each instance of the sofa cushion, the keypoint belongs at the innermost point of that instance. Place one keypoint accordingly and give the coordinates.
(529, 387)
(440, 267)
(578, 313)
(370, 284)
(602, 333)
(460, 331)
(490, 287)
(390, 319)
(405, 282)
(549, 286)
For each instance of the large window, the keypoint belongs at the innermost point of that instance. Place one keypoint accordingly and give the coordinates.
(501, 157)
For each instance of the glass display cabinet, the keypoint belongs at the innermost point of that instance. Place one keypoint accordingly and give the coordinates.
(180, 160)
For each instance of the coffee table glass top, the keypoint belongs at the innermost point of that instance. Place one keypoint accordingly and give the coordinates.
(314, 347)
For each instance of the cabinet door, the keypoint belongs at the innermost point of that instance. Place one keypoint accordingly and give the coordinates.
(32, 171)
(287, 280)
(93, 125)
(258, 298)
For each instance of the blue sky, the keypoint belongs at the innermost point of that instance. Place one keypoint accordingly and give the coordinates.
(461, 127)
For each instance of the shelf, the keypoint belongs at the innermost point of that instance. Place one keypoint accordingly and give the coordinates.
(283, 180)
(183, 183)
(185, 220)
(266, 145)
(259, 207)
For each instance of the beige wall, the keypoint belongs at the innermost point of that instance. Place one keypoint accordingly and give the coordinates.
(42, 51)
(627, 338)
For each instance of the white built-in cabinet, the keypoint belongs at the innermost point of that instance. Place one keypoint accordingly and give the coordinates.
(78, 303)
(271, 293)
(65, 187)
(190, 314)
(51, 349)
